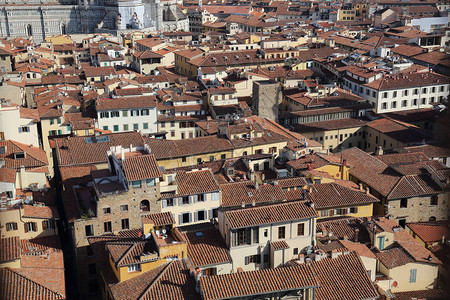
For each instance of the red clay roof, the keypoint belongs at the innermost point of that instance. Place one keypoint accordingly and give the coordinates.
(267, 214)
(9, 249)
(141, 167)
(243, 284)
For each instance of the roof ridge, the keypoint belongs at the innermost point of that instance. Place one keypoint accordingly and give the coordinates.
(58, 295)
(141, 297)
(126, 253)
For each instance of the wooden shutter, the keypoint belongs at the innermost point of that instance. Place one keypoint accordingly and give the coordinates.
(15, 225)
(34, 226)
(7, 226)
(26, 227)
(44, 225)
(247, 260)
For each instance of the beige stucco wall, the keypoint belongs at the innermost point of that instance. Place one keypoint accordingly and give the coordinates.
(426, 276)
(16, 215)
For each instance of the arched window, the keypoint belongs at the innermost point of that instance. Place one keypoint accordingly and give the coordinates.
(145, 206)
(432, 219)
(29, 30)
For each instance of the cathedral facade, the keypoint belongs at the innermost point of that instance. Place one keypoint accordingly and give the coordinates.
(40, 18)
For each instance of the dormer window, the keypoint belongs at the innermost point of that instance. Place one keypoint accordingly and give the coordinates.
(19, 155)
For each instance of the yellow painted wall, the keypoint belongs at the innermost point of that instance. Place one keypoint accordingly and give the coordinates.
(14, 215)
(425, 278)
(59, 39)
(11, 264)
(363, 211)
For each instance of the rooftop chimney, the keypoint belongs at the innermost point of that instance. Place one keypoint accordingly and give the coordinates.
(356, 235)
(379, 151)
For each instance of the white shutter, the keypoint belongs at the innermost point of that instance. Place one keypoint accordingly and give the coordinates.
(180, 219)
(210, 214)
(215, 196)
(196, 216)
(20, 129)
(190, 199)
(175, 201)
(180, 201)
(195, 198)
(190, 218)
(164, 203)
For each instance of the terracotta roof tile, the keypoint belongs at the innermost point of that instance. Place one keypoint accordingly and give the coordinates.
(15, 286)
(278, 245)
(236, 193)
(207, 248)
(251, 283)
(343, 277)
(141, 167)
(128, 102)
(333, 195)
(82, 150)
(41, 212)
(159, 219)
(196, 182)
(34, 156)
(269, 214)
(430, 232)
(9, 249)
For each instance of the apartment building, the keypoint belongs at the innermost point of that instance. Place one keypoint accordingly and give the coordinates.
(267, 236)
(128, 114)
(401, 184)
(19, 124)
(398, 92)
(190, 196)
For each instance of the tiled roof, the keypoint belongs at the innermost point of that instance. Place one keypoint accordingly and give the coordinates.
(41, 212)
(141, 167)
(431, 151)
(402, 158)
(174, 282)
(343, 277)
(278, 245)
(207, 248)
(78, 151)
(403, 241)
(196, 182)
(166, 149)
(394, 257)
(9, 249)
(334, 195)
(343, 228)
(236, 193)
(414, 185)
(15, 286)
(434, 294)
(128, 102)
(408, 81)
(269, 214)
(159, 219)
(257, 282)
(361, 249)
(293, 182)
(34, 156)
(430, 232)
(7, 175)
